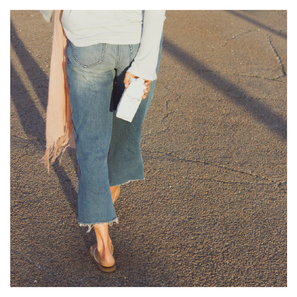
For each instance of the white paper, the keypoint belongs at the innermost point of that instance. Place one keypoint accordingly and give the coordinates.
(130, 100)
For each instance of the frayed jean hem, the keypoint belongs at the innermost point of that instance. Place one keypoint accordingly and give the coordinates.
(90, 226)
(127, 182)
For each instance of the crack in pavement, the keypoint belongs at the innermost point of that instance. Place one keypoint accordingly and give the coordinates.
(279, 184)
(40, 267)
(182, 159)
(58, 277)
(282, 67)
(28, 138)
(235, 36)
(15, 161)
(32, 262)
(229, 73)
(176, 97)
(278, 58)
(167, 114)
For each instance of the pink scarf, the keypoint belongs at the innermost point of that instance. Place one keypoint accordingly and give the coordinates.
(59, 129)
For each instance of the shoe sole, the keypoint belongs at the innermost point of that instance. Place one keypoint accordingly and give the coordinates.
(101, 267)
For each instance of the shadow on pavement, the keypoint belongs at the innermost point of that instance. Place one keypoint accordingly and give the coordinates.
(30, 118)
(257, 110)
(240, 15)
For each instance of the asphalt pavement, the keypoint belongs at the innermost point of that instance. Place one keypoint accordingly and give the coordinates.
(212, 211)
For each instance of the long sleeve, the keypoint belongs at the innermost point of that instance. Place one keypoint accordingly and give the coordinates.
(145, 62)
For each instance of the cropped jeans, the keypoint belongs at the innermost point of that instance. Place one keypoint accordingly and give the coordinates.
(107, 148)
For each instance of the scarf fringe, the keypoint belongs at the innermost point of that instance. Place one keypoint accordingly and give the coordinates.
(56, 149)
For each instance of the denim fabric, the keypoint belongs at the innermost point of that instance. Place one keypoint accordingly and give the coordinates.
(107, 148)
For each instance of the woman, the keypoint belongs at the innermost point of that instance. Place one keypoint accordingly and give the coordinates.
(105, 50)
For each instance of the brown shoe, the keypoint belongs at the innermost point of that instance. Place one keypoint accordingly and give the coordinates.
(95, 256)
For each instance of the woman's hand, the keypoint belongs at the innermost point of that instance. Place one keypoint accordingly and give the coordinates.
(147, 83)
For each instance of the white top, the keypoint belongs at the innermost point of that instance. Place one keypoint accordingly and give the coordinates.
(88, 27)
